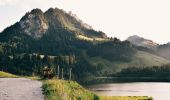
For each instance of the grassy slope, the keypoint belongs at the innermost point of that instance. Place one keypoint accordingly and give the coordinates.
(69, 90)
(81, 37)
(7, 75)
(140, 59)
(64, 90)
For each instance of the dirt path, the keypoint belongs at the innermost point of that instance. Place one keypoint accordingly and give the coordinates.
(20, 89)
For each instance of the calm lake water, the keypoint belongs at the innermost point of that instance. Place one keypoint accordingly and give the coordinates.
(157, 90)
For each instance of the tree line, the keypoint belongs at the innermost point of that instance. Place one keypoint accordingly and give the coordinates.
(154, 71)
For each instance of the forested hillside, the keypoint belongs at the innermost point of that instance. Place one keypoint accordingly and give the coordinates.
(56, 38)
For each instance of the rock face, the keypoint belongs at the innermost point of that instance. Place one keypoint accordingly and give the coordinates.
(34, 23)
(81, 22)
(139, 41)
(58, 18)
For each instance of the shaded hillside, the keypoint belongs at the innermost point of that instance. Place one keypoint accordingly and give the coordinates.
(159, 72)
(140, 59)
(164, 50)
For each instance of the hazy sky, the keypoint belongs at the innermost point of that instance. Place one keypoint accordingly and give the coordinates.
(117, 18)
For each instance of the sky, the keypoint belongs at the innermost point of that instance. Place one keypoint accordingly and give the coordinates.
(117, 18)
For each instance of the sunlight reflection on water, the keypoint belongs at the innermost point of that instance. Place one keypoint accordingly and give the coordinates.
(157, 90)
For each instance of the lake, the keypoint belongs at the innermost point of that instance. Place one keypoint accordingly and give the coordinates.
(157, 90)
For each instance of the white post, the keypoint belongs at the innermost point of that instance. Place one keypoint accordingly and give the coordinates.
(70, 74)
(62, 74)
(58, 71)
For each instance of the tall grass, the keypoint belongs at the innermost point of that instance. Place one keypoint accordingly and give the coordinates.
(66, 90)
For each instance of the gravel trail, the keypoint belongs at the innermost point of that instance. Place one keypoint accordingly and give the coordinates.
(20, 89)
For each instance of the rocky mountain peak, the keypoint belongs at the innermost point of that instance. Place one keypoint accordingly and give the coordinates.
(134, 37)
(34, 23)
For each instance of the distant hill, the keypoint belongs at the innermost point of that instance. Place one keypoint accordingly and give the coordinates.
(150, 46)
(139, 41)
(71, 43)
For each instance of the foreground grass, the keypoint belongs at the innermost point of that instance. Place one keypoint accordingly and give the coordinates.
(69, 90)
(7, 75)
(66, 90)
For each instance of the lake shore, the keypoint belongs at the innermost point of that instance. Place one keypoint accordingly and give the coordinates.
(100, 80)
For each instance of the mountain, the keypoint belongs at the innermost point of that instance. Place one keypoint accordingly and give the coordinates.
(139, 41)
(36, 24)
(56, 37)
(150, 46)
